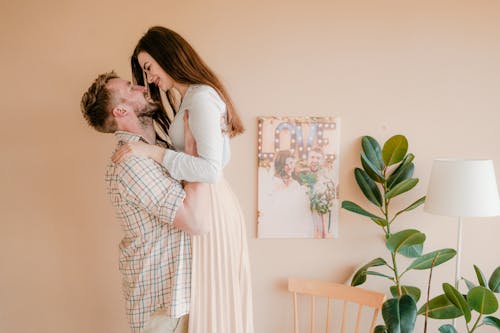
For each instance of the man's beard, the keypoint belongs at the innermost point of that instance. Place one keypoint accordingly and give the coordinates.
(147, 112)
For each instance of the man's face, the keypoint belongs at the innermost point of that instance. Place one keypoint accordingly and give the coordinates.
(125, 92)
(315, 160)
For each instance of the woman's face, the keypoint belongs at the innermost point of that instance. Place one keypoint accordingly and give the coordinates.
(154, 73)
(289, 165)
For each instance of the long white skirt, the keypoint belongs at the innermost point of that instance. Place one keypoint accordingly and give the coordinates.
(221, 291)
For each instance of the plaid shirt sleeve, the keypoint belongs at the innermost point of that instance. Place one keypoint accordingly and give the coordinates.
(145, 183)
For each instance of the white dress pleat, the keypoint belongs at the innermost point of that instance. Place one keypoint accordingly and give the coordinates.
(221, 293)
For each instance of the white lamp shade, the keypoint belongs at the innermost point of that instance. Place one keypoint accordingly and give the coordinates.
(462, 188)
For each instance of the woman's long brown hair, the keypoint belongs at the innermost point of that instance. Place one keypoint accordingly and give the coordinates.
(178, 58)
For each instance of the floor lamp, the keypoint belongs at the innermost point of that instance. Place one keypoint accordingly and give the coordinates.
(462, 188)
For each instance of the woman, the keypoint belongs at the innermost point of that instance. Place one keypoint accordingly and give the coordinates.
(285, 211)
(284, 164)
(221, 296)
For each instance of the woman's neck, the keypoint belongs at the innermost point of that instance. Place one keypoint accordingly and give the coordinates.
(181, 88)
(286, 178)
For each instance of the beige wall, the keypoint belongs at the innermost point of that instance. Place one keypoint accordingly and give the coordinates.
(427, 69)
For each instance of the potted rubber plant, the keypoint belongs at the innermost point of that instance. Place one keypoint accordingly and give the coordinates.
(387, 173)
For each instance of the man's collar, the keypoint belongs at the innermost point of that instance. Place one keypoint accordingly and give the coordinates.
(123, 136)
(129, 137)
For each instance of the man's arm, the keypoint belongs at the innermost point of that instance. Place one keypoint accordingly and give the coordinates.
(144, 183)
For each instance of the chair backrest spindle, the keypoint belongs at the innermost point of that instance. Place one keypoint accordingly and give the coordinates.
(328, 315)
(335, 291)
(313, 313)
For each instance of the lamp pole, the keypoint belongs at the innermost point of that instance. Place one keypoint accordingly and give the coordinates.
(457, 261)
(459, 252)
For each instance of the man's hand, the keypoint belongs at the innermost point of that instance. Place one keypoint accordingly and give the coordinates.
(189, 142)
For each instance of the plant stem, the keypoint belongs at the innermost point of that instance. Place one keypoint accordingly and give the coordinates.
(386, 206)
(475, 324)
(388, 234)
(396, 275)
(428, 294)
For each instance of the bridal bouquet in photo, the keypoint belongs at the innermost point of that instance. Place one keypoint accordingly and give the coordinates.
(322, 196)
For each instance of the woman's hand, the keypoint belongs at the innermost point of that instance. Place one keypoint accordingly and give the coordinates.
(140, 149)
(189, 142)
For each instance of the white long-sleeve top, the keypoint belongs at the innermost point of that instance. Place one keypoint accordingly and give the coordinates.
(207, 118)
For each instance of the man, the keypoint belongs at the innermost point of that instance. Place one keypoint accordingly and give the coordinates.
(307, 174)
(315, 159)
(155, 212)
(321, 189)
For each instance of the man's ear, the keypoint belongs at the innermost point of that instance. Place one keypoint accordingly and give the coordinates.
(119, 111)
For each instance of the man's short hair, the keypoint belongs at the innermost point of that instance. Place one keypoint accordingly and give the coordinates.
(317, 149)
(95, 104)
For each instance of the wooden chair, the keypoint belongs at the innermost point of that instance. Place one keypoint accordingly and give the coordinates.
(331, 291)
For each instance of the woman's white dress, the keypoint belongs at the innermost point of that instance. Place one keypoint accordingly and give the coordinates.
(284, 210)
(221, 293)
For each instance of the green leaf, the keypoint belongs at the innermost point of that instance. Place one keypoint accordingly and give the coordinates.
(413, 251)
(404, 238)
(469, 284)
(380, 221)
(482, 300)
(372, 150)
(414, 292)
(402, 172)
(427, 260)
(371, 169)
(368, 187)
(494, 282)
(379, 274)
(440, 307)
(380, 329)
(408, 310)
(412, 206)
(458, 300)
(352, 207)
(480, 276)
(400, 314)
(447, 328)
(390, 313)
(406, 173)
(394, 149)
(401, 188)
(360, 276)
(492, 321)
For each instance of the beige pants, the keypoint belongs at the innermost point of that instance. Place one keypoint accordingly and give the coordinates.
(159, 322)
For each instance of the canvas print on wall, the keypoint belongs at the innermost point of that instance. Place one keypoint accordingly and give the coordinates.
(298, 164)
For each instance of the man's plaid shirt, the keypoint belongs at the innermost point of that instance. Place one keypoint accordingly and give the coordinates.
(155, 256)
